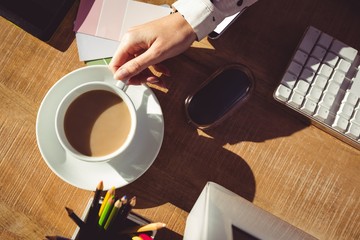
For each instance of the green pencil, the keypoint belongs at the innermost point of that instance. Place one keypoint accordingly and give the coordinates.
(106, 211)
(109, 193)
(113, 214)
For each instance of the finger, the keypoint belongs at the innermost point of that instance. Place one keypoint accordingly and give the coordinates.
(127, 50)
(142, 77)
(120, 57)
(139, 63)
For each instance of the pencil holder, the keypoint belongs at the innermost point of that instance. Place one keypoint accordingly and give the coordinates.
(118, 230)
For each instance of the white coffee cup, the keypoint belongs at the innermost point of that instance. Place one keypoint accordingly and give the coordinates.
(92, 122)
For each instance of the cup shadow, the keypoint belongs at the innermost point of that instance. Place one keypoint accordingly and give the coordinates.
(179, 179)
(187, 159)
(147, 135)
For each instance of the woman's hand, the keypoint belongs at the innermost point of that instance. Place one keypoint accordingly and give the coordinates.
(148, 45)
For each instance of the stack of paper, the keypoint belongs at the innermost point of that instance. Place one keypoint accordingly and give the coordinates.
(100, 24)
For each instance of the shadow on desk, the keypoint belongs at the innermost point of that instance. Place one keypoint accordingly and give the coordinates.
(189, 159)
(65, 35)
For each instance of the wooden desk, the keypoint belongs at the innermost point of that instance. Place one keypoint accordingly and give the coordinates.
(295, 171)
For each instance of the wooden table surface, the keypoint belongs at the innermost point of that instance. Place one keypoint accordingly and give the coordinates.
(265, 154)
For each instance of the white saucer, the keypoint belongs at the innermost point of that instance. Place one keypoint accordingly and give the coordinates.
(120, 172)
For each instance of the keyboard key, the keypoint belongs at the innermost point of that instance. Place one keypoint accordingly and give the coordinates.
(295, 68)
(353, 131)
(313, 64)
(333, 88)
(325, 40)
(346, 111)
(283, 93)
(325, 70)
(340, 123)
(302, 87)
(338, 77)
(309, 107)
(356, 117)
(318, 53)
(343, 66)
(350, 98)
(307, 75)
(355, 86)
(331, 59)
(289, 80)
(300, 57)
(296, 100)
(327, 100)
(315, 94)
(322, 113)
(320, 81)
(343, 50)
(310, 38)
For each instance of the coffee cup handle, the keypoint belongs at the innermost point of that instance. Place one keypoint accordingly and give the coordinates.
(122, 84)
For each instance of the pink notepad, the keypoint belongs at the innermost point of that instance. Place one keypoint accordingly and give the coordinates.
(100, 24)
(107, 18)
(101, 18)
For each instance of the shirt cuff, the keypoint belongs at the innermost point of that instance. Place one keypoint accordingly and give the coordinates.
(201, 15)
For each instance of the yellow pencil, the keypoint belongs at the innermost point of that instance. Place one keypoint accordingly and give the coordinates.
(113, 214)
(106, 211)
(109, 193)
(145, 228)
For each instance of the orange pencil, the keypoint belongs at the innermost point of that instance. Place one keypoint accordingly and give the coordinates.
(95, 206)
(98, 190)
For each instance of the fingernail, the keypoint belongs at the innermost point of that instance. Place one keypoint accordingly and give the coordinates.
(153, 80)
(121, 74)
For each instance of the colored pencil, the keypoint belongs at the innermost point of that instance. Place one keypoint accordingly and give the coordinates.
(109, 193)
(144, 228)
(113, 214)
(56, 238)
(95, 206)
(136, 238)
(126, 210)
(98, 190)
(145, 237)
(75, 217)
(123, 200)
(107, 209)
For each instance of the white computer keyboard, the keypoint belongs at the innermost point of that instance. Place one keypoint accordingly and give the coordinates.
(322, 82)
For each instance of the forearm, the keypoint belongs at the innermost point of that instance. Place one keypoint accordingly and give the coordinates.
(205, 15)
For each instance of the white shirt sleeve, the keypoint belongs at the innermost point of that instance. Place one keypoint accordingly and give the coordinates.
(205, 15)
